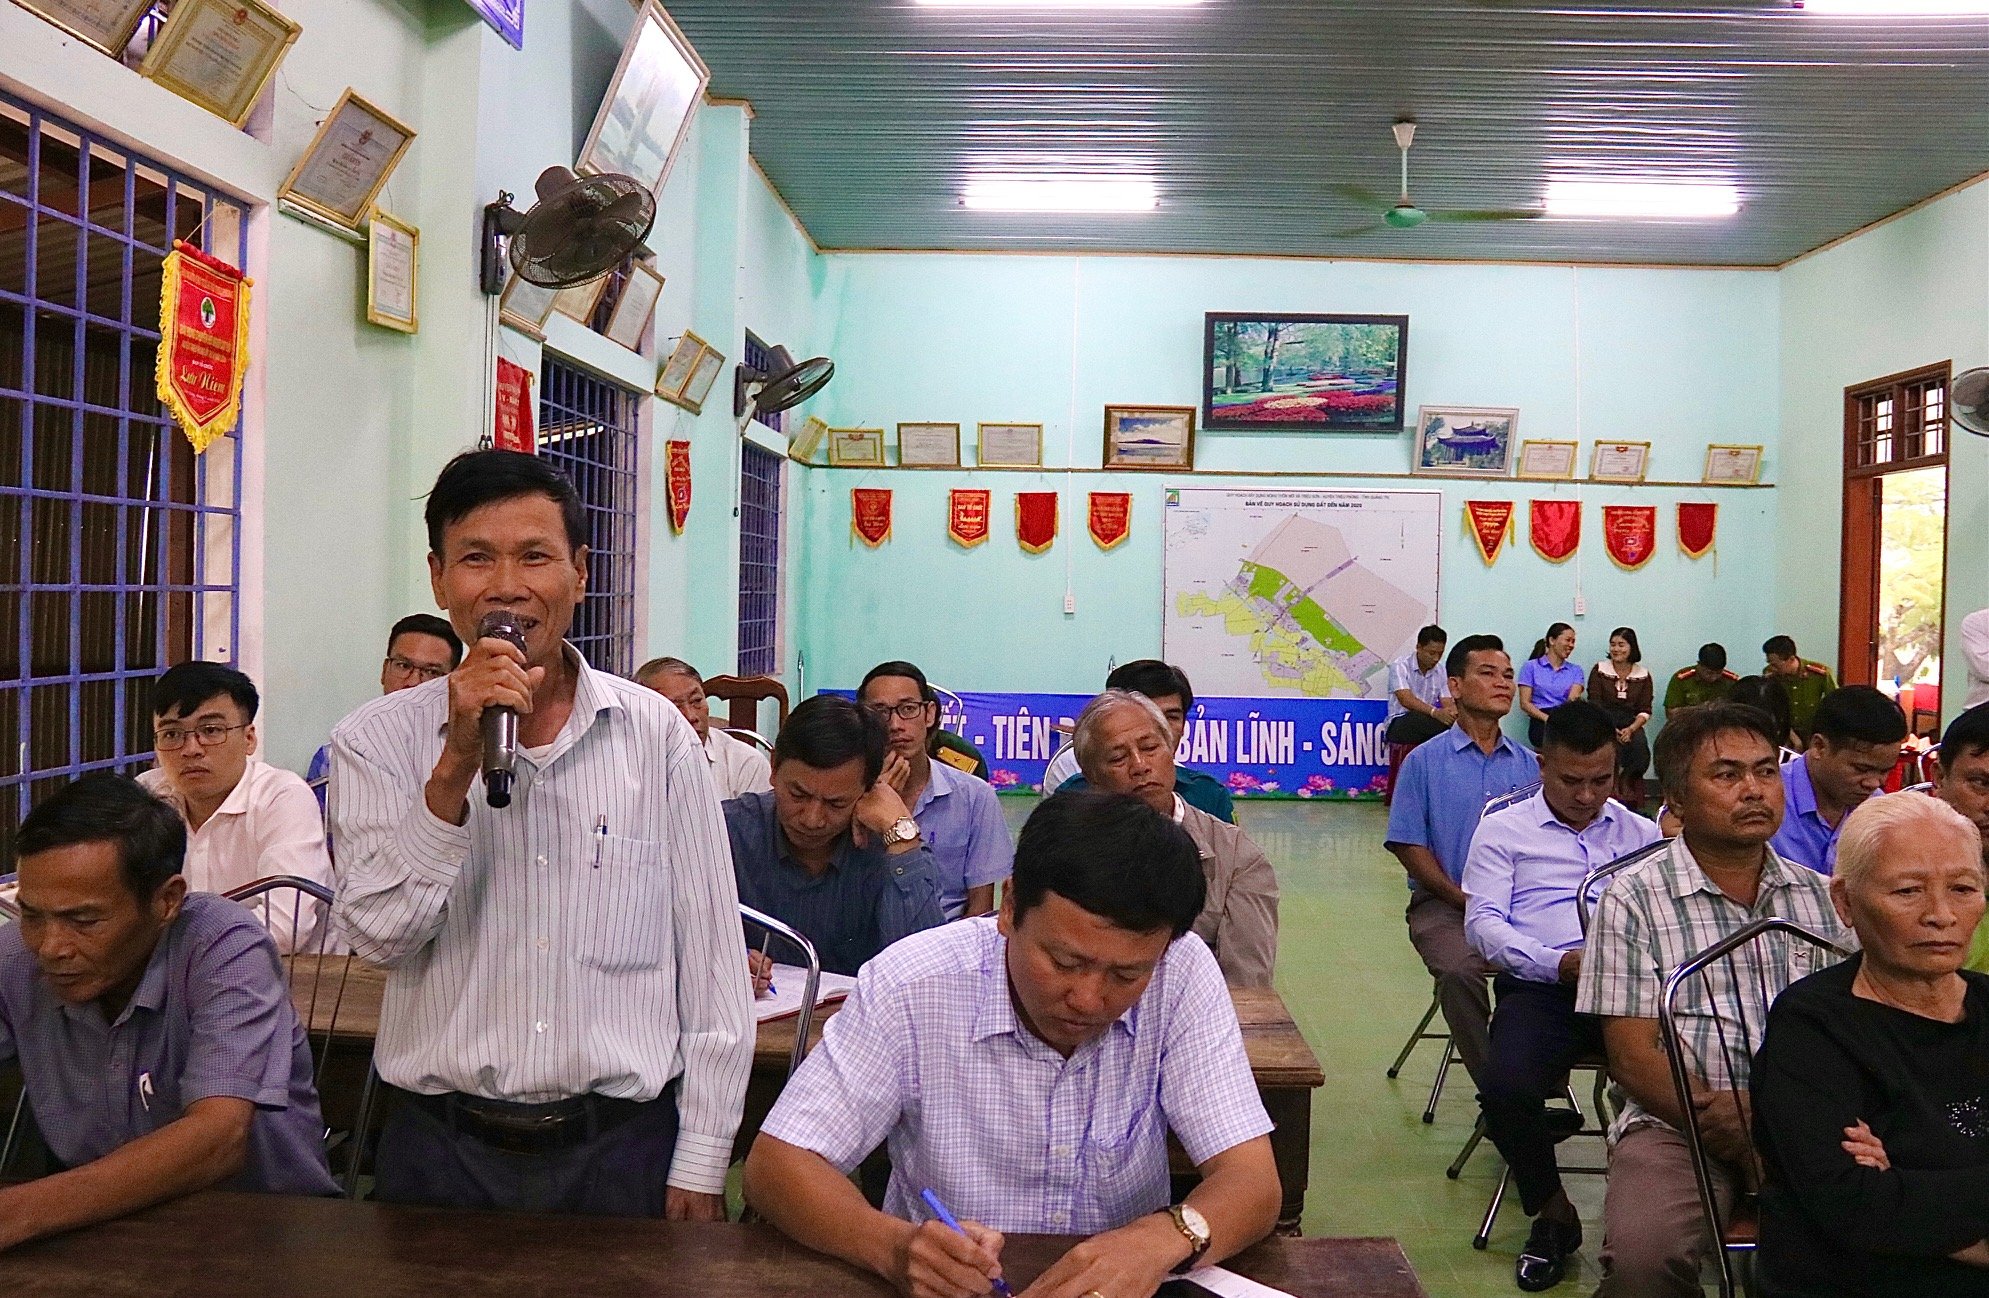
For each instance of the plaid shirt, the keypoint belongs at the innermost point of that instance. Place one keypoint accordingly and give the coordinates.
(929, 1052)
(1660, 913)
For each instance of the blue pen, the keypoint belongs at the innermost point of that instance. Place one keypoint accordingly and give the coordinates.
(932, 1202)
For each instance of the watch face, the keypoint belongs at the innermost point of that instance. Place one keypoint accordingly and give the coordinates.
(1196, 1223)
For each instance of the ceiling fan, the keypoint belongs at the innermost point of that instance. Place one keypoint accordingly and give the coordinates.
(1403, 214)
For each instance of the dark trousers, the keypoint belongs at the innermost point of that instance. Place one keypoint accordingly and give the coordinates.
(1536, 1038)
(1413, 728)
(620, 1172)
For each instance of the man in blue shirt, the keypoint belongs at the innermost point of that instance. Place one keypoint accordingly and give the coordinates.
(958, 813)
(153, 1028)
(1521, 881)
(1167, 685)
(1442, 791)
(1853, 746)
(832, 850)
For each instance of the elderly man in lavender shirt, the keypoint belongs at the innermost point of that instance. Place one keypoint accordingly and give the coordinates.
(1026, 1068)
(153, 1027)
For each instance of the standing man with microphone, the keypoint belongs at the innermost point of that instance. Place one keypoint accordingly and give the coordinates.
(568, 1016)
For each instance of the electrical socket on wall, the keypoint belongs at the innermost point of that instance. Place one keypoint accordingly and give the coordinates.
(1070, 602)
(1581, 604)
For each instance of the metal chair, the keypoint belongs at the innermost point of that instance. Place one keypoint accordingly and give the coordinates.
(1417, 1035)
(811, 985)
(1734, 1235)
(753, 737)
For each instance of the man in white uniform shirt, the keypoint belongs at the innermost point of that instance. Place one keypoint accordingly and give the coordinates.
(568, 1013)
(736, 766)
(246, 820)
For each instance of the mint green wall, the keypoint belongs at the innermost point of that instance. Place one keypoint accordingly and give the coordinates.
(1912, 292)
(1678, 358)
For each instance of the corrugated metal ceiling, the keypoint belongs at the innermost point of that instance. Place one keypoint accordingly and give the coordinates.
(872, 113)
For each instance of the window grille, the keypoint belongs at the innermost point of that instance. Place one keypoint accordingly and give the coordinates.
(119, 547)
(588, 430)
(759, 561)
(755, 357)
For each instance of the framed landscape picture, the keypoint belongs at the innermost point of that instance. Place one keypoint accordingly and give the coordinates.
(1465, 440)
(1149, 437)
(656, 91)
(1303, 373)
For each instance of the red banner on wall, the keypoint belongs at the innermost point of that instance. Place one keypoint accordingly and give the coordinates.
(203, 342)
(1110, 519)
(1629, 533)
(677, 480)
(1698, 524)
(870, 514)
(967, 515)
(1490, 523)
(1555, 528)
(1035, 520)
(511, 429)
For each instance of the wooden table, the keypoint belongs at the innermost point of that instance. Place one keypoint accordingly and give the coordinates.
(1286, 1070)
(217, 1245)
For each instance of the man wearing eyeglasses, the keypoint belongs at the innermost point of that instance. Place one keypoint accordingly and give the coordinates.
(421, 648)
(246, 820)
(958, 814)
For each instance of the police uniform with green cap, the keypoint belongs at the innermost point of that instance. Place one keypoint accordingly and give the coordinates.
(1806, 689)
(1688, 689)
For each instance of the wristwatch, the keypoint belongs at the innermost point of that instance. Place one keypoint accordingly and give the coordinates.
(902, 830)
(1194, 1227)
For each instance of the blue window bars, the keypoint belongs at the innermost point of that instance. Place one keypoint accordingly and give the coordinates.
(588, 430)
(759, 560)
(119, 547)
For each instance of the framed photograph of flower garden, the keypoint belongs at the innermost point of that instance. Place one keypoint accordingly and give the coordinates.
(1304, 373)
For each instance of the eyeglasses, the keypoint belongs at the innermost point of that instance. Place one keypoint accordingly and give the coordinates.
(909, 710)
(167, 738)
(423, 670)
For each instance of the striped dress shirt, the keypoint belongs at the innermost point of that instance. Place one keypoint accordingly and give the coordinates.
(583, 940)
(1660, 913)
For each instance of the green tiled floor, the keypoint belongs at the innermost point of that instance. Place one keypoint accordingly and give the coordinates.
(1352, 981)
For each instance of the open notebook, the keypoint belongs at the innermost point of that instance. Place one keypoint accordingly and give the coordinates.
(784, 1001)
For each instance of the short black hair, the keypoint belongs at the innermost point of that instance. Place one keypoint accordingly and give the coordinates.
(1967, 734)
(1114, 856)
(898, 667)
(1153, 678)
(1577, 727)
(1630, 634)
(1459, 660)
(1713, 656)
(1861, 715)
(1778, 646)
(105, 807)
(828, 730)
(1687, 729)
(1770, 696)
(182, 689)
(477, 478)
(1431, 634)
(428, 624)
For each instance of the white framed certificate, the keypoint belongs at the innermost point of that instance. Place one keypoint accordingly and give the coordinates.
(106, 25)
(220, 54)
(393, 252)
(347, 162)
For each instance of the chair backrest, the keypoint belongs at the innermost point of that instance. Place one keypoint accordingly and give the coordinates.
(1788, 755)
(1927, 761)
(752, 737)
(1597, 879)
(1925, 786)
(745, 694)
(1501, 801)
(1739, 992)
(811, 986)
(294, 908)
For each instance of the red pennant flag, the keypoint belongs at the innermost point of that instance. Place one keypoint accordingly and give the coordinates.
(677, 481)
(1490, 522)
(967, 515)
(203, 342)
(1698, 523)
(1555, 527)
(870, 514)
(1035, 520)
(1111, 517)
(513, 428)
(1629, 533)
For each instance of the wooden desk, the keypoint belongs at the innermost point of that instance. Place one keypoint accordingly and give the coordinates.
(253, 1246)
(1286, 1070)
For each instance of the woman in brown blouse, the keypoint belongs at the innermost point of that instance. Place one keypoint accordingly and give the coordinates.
(1620, 686)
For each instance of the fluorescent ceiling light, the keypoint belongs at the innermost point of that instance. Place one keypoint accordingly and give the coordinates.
(1639, 199)
(1895, 8)
(1059, 194)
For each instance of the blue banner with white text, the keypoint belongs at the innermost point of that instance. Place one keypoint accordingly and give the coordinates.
(1258, 748)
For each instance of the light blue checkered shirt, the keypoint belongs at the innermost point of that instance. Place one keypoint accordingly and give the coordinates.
(929, 1052)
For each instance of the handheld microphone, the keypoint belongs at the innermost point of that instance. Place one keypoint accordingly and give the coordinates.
(500, 725)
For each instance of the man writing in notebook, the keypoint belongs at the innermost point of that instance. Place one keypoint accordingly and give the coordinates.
(1026, 1068)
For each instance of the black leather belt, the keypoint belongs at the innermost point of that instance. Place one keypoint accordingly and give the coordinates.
(533, 1128)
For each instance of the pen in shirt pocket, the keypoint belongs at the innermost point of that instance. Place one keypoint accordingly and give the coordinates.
(145, 1090)
(600, 837)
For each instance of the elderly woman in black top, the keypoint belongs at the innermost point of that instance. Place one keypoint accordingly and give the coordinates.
(1871, 1091)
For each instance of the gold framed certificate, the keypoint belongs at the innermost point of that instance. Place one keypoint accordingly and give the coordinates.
(220, 54)
(1619, 461)
(1010, 445)
(578, 302)
(348, 160)
(679, 370)
(106, 25)
(393, 252)
(703, 375)
(1732, 464)
(856, 448)
(929, 446)
(526, 306)
(1548, 461)
(636, 304)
